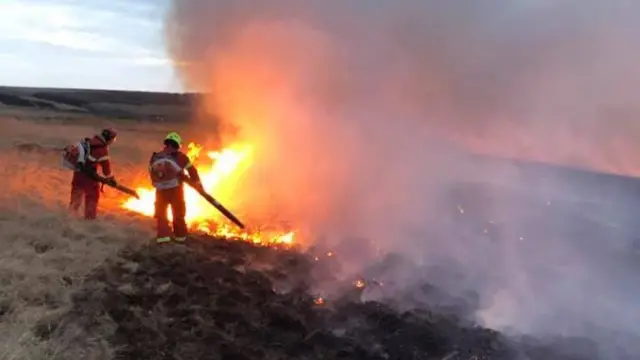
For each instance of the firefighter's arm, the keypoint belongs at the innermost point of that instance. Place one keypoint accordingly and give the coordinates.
(105, 166)
(194, 176)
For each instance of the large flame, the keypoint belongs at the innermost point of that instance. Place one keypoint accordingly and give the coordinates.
(219, 175)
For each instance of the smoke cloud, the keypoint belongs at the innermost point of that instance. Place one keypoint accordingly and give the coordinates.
(362, 113)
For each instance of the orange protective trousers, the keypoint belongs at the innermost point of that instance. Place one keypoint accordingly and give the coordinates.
(173, 198)
(83, 187)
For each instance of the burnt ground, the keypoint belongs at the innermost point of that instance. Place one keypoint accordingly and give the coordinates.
(218, 299)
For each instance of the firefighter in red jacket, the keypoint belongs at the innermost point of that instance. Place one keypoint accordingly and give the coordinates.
(83, 185)
(166, 169)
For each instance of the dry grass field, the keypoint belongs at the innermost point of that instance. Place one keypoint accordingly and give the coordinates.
(46, 251)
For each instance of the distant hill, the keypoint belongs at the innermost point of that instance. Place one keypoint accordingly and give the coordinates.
(135, 105)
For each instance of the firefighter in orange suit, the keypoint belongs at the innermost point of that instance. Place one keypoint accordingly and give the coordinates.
(166, 169)
(85, 187)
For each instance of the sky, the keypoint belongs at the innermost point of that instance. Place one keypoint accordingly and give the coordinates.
(98, 44)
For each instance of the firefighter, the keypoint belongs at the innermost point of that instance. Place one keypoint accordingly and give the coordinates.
(83, 185)
(166, 169)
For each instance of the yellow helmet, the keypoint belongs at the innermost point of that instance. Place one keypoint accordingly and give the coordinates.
(173, 136)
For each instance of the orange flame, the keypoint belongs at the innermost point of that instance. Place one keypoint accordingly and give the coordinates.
(218, 177)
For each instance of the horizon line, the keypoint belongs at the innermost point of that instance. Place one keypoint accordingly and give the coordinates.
(98, 89)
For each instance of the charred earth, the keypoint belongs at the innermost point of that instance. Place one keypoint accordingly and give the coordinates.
(220, 299)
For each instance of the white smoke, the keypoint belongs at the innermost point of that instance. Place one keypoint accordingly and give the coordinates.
(355, 109)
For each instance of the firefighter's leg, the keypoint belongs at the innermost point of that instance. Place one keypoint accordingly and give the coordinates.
(91, 199)
(179, 210)
(77, 193)
(162, 222)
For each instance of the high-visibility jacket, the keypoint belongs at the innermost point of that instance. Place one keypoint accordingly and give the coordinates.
(99, 156)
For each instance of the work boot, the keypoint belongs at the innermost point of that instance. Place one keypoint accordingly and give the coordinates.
(180, 239)
(165, 239)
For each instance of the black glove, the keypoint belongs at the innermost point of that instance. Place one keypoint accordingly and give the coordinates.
(112, 181)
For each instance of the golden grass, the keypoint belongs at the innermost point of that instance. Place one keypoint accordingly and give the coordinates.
(45, 251)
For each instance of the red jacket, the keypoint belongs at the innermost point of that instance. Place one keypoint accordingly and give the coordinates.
(167, 167)
(99, 156)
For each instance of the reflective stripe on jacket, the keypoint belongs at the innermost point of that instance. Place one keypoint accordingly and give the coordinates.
(99, 155)
(164, 171)
(166, 168)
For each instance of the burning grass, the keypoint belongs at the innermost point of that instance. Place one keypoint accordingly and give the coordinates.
(219, 172)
